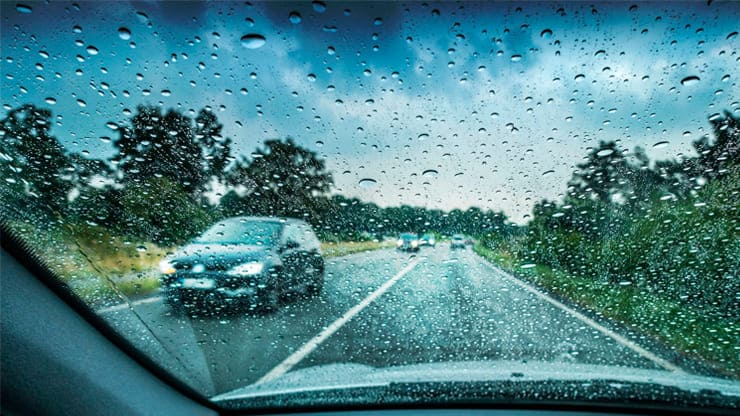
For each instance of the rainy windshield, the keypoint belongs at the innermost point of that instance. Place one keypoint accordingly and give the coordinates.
(240, 232)
(577, 163)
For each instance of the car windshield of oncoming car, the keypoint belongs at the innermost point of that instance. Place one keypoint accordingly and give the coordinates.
(258, 233)
(574, 168)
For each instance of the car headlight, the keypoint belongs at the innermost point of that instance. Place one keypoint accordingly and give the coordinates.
(399, 243)
(247, 269)
(414, 243)
(166, 267)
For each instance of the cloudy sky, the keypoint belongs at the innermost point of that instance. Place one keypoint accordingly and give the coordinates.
(441, 105)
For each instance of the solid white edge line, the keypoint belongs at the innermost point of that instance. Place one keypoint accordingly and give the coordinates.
(590, 322)
(128, 305)
(313, 343)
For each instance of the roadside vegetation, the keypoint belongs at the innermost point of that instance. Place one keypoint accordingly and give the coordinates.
(654, 246)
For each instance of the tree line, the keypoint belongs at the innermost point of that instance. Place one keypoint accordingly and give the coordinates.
(670, 227)
(156, 184)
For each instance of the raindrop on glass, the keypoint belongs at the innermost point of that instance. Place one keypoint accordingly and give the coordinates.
(124, 33)
(367, 182)
(253, 41)
(660, 144)
(23, 8)
(319, 6)
(690, 80)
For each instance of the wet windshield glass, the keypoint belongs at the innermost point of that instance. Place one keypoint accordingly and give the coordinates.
(573, 168)
(240, 232)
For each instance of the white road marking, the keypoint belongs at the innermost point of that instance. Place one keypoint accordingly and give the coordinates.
(312, 344)
(128, 305)
(606, 331)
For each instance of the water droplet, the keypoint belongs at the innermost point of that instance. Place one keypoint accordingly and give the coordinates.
(690, 80)
(726, 78)
(330, 50)
(368, 183)
(732, 35)
(548, 172)
(430, 173)
(141, 249)
(579, 77)
(319, 6)
(166, 93)
(378, 21)
(422, 136)
(253, 41)
(546, 33)
(319, 143)
(92, 50)
(516, 58)
(605, 152)
(600, 52)
(81, 103)
(294, 17)
(311, 77)
(23, 8)
(528, 266)
(124, 33)
(660, 144)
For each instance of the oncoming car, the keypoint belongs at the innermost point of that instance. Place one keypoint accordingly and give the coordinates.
(428, 240)
(250, 261)
(408, 242)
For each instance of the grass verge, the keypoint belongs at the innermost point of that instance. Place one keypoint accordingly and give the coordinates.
(344, 248)
(688, 331)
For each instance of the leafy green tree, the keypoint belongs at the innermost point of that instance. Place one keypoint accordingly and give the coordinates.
(282, 179)
(716, 158)
(34, 165)
(599, 176)
(170, 145)
(159, 210)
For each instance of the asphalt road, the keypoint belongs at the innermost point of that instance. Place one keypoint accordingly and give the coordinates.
(380, 308)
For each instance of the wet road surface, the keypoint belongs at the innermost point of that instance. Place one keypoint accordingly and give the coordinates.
(380, 308)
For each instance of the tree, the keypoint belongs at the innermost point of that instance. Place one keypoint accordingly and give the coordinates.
(715, 158)
(599, 176)
(169, 145)
(34, 165)
(283, 178)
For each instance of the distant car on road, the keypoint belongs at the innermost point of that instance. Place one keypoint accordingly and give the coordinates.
(250, 261)
(427, 240)
(458, 241)
(408, 242)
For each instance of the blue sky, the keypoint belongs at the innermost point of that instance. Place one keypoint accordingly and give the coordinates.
(502, 100)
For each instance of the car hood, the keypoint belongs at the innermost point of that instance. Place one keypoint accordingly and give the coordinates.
(353, 376)
(219, 256)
